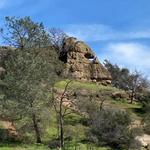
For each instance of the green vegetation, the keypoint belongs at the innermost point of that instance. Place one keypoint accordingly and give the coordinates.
(111, 127)
(30, 70)
(122, 104)
(85, 86)
(43, 108)
(146, 112)
(42, 147)
(75, 128)
(122, 78)
(22, 147)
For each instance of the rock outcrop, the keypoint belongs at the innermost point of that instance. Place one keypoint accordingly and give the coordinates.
(81, 63)
(145, 141)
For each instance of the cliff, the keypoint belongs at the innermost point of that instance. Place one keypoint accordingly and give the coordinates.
(81, 63)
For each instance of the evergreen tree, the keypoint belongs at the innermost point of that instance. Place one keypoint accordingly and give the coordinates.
(31, 72)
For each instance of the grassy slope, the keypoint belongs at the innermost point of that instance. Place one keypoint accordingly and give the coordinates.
(122, 104)
(35, 147)
(84, 85)
(73, 125)
(22, 147)
(118, 104)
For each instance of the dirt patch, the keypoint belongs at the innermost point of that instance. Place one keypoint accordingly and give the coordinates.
(145, 139)
(10, 127)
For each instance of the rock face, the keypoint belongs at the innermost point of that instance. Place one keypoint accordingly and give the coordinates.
(145, 140)
(81, 63)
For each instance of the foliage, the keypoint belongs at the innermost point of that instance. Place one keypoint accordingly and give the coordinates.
(109, 127)
(24, 33)
(146, 109)
(146, 102)
(70, 146)
(19, 146)
(119, 75)
(122, 78)
(5, 137)
(57, 37)
(31, 72)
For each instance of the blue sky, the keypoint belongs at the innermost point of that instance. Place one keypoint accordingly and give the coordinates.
(117, 30)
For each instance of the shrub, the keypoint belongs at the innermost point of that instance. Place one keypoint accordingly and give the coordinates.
(109, 127)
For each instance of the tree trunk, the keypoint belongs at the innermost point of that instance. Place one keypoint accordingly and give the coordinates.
(58, 127)
(61, 132)
(132, 96)
(36, 129)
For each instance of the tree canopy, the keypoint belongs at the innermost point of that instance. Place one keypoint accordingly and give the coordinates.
(32, 69)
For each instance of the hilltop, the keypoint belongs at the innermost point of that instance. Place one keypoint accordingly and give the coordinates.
(56, 94)
(79, 60)
(90, 79)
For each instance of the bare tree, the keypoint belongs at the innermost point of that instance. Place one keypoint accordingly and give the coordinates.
(62, 105)
(56, 37)
(137, 83)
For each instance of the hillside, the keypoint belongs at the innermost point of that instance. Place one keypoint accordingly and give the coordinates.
(55, 94)
(74, 122)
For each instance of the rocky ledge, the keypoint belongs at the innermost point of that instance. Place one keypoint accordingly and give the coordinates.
(81, 63)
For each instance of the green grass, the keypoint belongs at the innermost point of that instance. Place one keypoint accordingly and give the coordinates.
(22, 147)
(125, 105)
(81, 146)
(70, 146)
(74, 123)
(1, 125)
(84, 85)
(122, 104)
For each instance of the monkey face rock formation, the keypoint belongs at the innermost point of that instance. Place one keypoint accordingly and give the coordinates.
(81, 63)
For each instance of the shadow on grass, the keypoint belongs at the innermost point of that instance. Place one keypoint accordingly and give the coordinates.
(139, 111)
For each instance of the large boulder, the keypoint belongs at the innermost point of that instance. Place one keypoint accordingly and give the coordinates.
(81, 63)
(145, 140)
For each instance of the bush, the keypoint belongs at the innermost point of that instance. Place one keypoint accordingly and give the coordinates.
(109, 127)
(6, 137)
(146, 109)
(54, 143)
(147, 123)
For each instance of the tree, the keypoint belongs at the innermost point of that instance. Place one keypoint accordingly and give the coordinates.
(90, 102)
(62, 105)
(31, 73)
(29, 78)
(119, 75)
(146, 109)
(24, 33)
(110, 127)
(57, 37)
(137, 84)
(122, 78)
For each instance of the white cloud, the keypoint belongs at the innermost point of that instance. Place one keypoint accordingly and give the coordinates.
(127, 54)
(131, 55)
(100, 32)
(93, 32)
